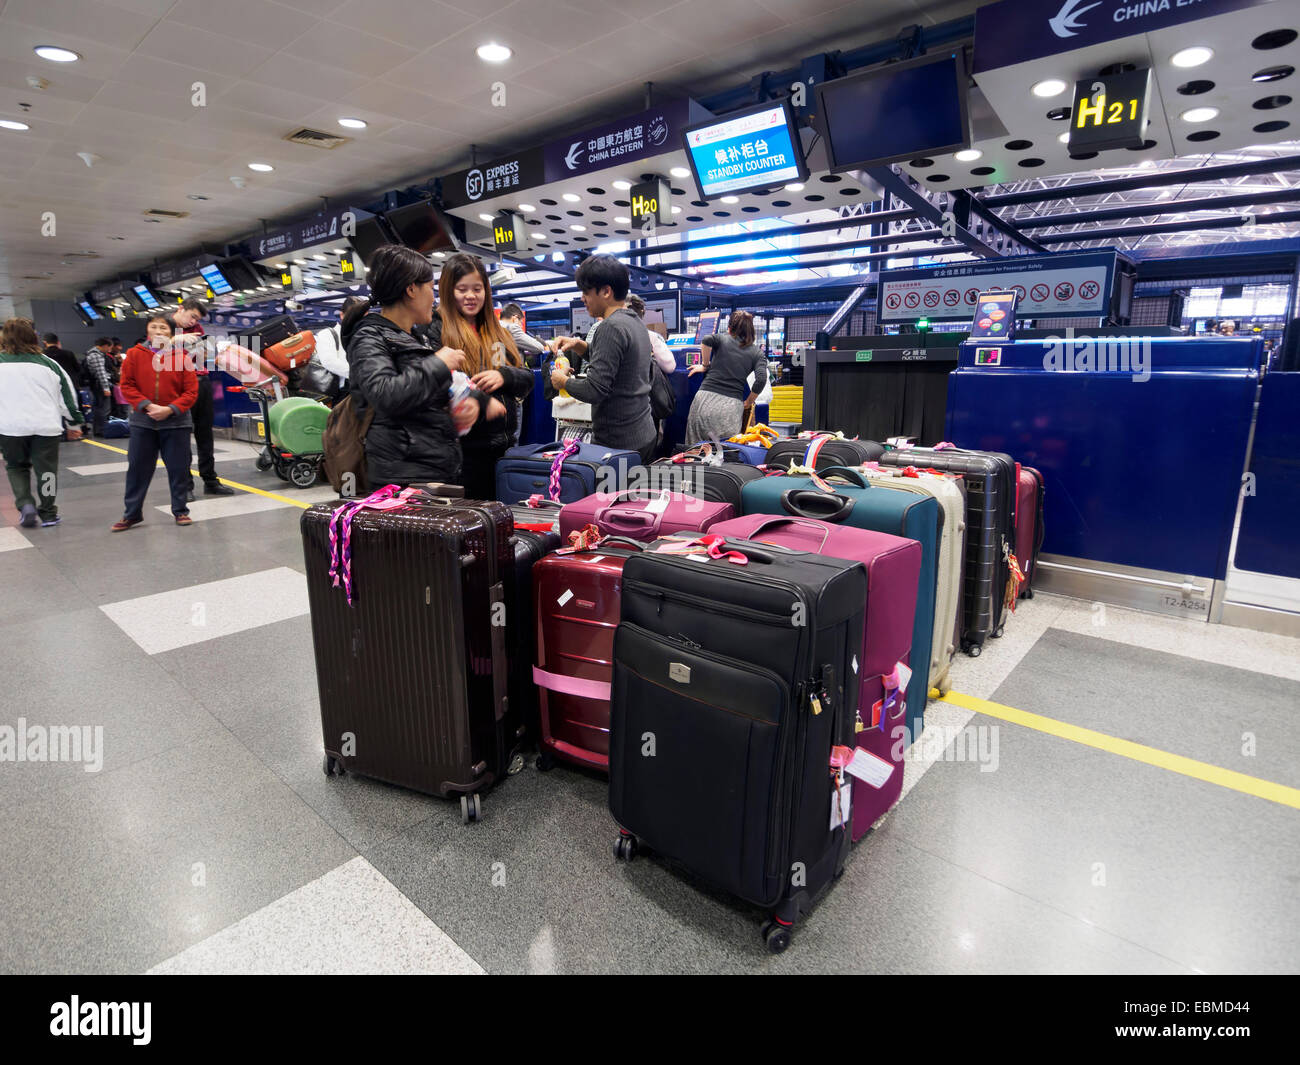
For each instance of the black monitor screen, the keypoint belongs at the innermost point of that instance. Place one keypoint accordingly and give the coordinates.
(240, 273)
(88, 312)
(895, 112)
(422, 227)
(371, 235)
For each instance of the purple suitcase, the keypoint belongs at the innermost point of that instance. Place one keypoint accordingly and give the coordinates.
(643, 515)
(893, 566)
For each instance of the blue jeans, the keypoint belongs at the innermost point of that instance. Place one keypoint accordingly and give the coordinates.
(142, 453)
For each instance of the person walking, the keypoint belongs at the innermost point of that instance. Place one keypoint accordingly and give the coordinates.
(725, 398)
(36, 402)
(160, 386)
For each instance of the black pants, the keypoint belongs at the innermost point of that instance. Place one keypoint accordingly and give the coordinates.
(142, 453)
(478, 472)
(101, 410)
(201, 413)
(28, 455)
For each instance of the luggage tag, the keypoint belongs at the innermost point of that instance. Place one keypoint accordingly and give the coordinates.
(896, 682)
(841, 797)
(658, 505)
(869, 768)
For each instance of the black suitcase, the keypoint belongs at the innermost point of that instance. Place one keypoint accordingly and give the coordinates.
(832, 452)
(413, 676)
(991, 487)
(529, 547)
(742, 679)
(714, 484)
(272, 331)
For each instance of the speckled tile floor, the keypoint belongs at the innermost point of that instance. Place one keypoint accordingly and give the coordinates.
(207, 839)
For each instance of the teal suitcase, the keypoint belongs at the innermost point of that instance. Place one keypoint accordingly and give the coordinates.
(864, 506)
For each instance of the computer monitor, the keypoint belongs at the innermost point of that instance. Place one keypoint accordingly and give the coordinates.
(708, 325)
(750, 150)
(426, 229)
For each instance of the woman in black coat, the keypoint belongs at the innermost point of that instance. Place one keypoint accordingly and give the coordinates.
(413, 437)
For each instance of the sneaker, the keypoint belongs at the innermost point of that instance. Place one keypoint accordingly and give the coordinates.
(126, 523)
(184, 519)
(189, 496)
(217, 489)
(47, 523)
(28, 519)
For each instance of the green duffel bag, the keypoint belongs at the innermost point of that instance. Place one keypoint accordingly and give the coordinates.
(297, 424)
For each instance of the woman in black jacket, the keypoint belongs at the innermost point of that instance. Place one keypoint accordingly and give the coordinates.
(466, 321)
(413, 436)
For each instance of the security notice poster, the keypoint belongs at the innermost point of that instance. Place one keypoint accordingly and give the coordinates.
(1046, 286)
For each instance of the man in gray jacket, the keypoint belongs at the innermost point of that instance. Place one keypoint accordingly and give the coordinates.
(512, 317)
(95, 376)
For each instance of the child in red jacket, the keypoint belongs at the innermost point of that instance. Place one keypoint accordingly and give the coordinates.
(160, 386)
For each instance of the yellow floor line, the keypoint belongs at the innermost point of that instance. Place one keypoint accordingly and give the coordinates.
(224, 480)
(1175, 763)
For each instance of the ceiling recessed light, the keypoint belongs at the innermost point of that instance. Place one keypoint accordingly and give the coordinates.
(321, 258)
(1049, 87)
(527, 208)
(1192, 57)
(677, 210)
(261, 168)
(9, 123)
(55, 54)
(280, 266)
(1200, 114)
(578, 228)
(572, 197)
(679, 171)
(622, 220)
(622, 186)
(493, 52)
(794, 186)
(300, 262)
(731, 199)
(486, 217)
(968, 155)
(353, 123)
(340, 251)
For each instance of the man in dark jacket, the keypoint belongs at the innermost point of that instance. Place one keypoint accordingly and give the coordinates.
(66, 359)
(187, 319)
(617, 379)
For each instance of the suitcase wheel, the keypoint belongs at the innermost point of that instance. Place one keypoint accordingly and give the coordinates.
(333, 767)
(470, 808)
(973, 650)
(776, 936)
(302, 473)
(625, 847)
(545, 762)
(1029, 594)
(516, 764)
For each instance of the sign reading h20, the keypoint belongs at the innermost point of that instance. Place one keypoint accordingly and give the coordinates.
(651, 202)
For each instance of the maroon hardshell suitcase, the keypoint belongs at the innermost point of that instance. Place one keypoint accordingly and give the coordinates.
(413, 674)
(643, 515)
(893, 565)
(576, 597)
(1029, 525)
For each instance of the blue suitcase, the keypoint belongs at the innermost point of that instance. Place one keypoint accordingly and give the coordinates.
(866, 506)
(526, 471)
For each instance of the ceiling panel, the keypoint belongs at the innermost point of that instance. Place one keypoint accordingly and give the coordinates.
(205, 50)
(257, 22)
(343, 48)
(402, 22)
(95, 21)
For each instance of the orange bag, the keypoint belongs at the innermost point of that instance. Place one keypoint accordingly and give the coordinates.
(292, 351)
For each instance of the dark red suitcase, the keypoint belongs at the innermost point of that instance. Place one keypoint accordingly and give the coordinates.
(412, 676)
(576, 597)
(1029, 524)
(893, 566)
(643, 515)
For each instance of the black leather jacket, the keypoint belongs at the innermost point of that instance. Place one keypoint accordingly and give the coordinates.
(495, 435)
(412, 437)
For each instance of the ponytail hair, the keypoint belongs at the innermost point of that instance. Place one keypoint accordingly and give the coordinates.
(741, 326)
(392, 270)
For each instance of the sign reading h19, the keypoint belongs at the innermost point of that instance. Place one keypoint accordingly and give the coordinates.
(1110, 112)
(508, 232)
(747, 150)
(651, 202)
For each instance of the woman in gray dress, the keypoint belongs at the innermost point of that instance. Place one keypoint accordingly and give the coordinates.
(725, 397)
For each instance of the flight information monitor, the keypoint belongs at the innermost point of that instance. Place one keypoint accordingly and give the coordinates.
(750, 150)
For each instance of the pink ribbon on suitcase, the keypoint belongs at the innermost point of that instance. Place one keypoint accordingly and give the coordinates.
(390, 497)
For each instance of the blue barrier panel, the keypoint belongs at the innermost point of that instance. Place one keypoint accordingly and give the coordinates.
(1270, 514)
(1141, 441)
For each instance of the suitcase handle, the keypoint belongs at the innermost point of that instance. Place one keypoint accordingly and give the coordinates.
(795, 501)
(629, 521)
(847, 473)
(500, 667)
(812, 524)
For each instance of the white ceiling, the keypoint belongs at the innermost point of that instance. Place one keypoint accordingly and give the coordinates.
(271, 66)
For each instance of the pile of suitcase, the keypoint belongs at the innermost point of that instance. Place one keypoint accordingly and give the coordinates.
(746, 650)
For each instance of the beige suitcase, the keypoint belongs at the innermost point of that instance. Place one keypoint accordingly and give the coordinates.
(950, 492)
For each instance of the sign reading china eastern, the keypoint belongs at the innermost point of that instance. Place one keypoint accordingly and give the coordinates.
(1046, 286)
(745, 151)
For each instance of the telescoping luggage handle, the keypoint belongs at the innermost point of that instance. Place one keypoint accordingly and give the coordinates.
(816, 526)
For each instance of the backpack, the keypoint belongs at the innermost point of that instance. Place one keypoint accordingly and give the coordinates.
(663, 401)
(117, 427)
(344, 444)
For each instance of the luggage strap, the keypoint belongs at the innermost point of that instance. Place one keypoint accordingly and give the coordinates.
(583, 539)
(1015, 577)
(390, 497)
(557, 465)
(585, 689)
(708, 544)
(894, 702)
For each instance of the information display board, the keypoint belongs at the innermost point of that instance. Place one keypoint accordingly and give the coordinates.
(746, 151)
(995, 316)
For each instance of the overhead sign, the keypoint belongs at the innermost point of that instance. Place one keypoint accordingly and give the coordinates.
(507, 173)
(640, 136)
(508, 233)
(1110, 112)
(749, 150)
(306, 233)
(1015, 31)
(178, 270)
(651, 202)
(1047, 286)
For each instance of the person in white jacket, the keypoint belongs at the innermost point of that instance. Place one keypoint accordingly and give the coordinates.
(37, 398)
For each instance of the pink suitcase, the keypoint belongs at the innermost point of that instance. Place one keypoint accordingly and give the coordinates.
(643, 515)
(1029, 524)
(893, 566)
